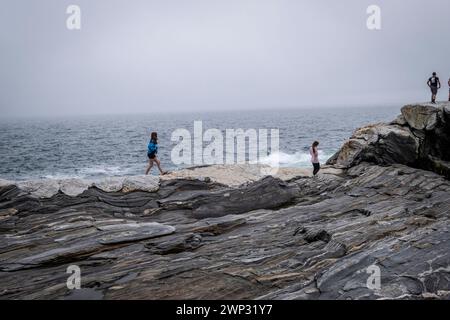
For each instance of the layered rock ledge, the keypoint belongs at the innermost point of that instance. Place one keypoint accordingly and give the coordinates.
(419, 137)
(235, 233)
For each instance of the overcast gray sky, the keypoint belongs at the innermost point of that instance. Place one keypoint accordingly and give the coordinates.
(170, 55)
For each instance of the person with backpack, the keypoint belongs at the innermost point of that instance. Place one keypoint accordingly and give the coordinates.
(315, 157)
(434, 85)
(152, 150)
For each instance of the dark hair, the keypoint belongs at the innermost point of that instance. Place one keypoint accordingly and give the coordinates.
(315, 144)
(154, 137)
(434, 73)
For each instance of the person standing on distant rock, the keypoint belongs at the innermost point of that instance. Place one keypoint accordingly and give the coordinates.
(151, 153)
(434, 85)
(315, 157)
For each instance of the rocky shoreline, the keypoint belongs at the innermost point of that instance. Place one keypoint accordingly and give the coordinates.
(232, 232)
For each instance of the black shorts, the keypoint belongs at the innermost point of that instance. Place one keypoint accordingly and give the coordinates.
(316, 168)
(151, 156)
(434, 90)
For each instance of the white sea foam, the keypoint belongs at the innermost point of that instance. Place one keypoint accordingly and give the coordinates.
(296, 160)
(103, 170)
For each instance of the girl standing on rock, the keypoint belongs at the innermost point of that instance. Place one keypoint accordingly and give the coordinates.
(152, 150)
(315, 157)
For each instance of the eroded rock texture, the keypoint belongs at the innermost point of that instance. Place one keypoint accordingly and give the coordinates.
(302, 239)
(296, 238)
(419, 137)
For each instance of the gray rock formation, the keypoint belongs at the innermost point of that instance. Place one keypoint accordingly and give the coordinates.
(297, 238)
(419, 137)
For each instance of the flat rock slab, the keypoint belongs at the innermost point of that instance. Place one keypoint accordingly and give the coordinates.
(230, 175)
(236, 175)
(135, 232)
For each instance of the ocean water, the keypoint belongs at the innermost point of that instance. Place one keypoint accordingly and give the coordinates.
(115, 145)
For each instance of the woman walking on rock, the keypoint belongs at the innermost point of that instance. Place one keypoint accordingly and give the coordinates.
(152, 150)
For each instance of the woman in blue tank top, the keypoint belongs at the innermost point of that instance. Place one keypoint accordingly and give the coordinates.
(152, 151)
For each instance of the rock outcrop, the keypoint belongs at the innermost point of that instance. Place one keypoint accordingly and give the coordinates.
(419, 137)
(47, 188)
(199, 234)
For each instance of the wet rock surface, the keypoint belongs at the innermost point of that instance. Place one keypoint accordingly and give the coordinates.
(285, 237)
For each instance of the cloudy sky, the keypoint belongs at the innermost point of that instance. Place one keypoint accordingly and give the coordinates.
(183, 55)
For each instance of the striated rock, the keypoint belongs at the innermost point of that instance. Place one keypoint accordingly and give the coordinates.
(287, 236)
(317, 245)
(380, 144)
(420, 138)
(267, 193)
(178, 243)
(135, 232)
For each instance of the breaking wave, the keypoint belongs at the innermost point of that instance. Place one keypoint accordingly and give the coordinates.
(296, 160)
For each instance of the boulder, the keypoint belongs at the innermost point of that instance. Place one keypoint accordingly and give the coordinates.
(74, 187)
(419, 137)
(421, 117)
(109, 184)
(380, 144)
(46, 188)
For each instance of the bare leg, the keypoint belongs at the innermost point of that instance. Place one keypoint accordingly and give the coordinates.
(158, 164)
(149, 167)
